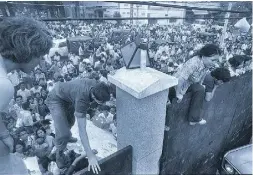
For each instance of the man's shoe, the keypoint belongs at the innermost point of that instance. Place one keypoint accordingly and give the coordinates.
(201, 122)
(72, 140)
(62, 160)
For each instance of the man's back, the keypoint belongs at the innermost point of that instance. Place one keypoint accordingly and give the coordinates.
(69, 91)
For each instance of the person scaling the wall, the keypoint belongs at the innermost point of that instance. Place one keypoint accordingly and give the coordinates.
(70, 100)
(23, 41)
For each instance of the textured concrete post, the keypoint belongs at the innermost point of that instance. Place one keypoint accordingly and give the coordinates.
(141, 111)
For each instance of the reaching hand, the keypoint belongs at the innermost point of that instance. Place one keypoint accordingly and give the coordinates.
(179, 100)
(9, 142)
(93, 163)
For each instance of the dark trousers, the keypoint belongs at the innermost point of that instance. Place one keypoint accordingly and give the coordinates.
(196, 103)
(77, 69)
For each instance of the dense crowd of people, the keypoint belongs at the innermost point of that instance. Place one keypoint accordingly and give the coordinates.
(171, 48)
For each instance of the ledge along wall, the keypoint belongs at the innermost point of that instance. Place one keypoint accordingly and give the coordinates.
(200, 149)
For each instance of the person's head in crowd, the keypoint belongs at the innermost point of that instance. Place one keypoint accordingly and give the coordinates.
(60, 78)
(19, 100)
(40, 133)
(67, 77)
(40, 140)
(220, 75)
(103, 73)
(40, 101)
(113, 110)
(38, 71)
(37, 95)
(23, 134)
(69, 62)
(43, 92)
(30, 100)
(22, 86)
(95, 75)
(100, 93)
(36, 84)
(23, 42)
(210, 54)
(42, 81)
(19, 146)
(239, 61)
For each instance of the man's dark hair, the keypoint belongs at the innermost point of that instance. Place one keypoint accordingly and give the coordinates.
(237, 60)
(19, 142)
(209, 50)
(23, 39)
(18, 96)
(102, 92)
(35, 83)
(221, 74)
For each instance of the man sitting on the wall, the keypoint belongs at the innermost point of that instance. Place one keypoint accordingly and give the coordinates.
(190, 77)
(213, 80)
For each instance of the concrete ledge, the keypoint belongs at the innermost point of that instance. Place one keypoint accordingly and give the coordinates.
(142, 83)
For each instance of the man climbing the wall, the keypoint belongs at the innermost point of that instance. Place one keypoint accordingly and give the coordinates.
(70, 100)
(190, 77)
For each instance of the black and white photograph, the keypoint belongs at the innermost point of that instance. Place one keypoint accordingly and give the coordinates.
(125, 87)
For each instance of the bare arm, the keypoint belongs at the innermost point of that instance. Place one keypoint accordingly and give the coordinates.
(7, 91)
(93, 163)
(209, 95)
(81, 121)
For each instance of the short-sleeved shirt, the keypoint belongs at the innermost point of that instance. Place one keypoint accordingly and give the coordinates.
(76, 92)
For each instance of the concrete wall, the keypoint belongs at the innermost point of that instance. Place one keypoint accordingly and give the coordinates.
(199, 149)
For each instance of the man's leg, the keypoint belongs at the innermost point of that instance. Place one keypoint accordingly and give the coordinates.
(62, 129)
(196, 103)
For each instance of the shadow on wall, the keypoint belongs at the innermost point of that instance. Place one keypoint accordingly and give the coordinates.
(199, 149)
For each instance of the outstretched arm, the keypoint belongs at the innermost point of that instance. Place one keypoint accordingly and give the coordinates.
(81, 121)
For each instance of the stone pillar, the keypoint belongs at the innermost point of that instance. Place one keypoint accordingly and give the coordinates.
(141, 110)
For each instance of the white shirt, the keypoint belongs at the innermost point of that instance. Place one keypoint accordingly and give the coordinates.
(80, 51)
(70, 68)
(14, 78)
(25, 119)
(64, 70)
(36, 90)
(25, 93)
(75, 60)
(57, 58)
(109, 118)
(103, 79)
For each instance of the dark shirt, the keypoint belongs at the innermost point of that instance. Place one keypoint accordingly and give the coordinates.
(209, 83)
(43, 110)
(76, 92)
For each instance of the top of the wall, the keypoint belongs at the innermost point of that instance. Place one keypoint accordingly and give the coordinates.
(142, 83)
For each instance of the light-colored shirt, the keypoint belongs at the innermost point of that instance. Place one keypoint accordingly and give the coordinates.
(26, 119)
(75, 60)
(34, 90)
(24, 93)
(14, 78)
(193, 71)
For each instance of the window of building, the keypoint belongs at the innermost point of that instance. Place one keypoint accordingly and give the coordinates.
(124, 13)
(143, 14)
(126, 5)
(173, 20)
(128, 13)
